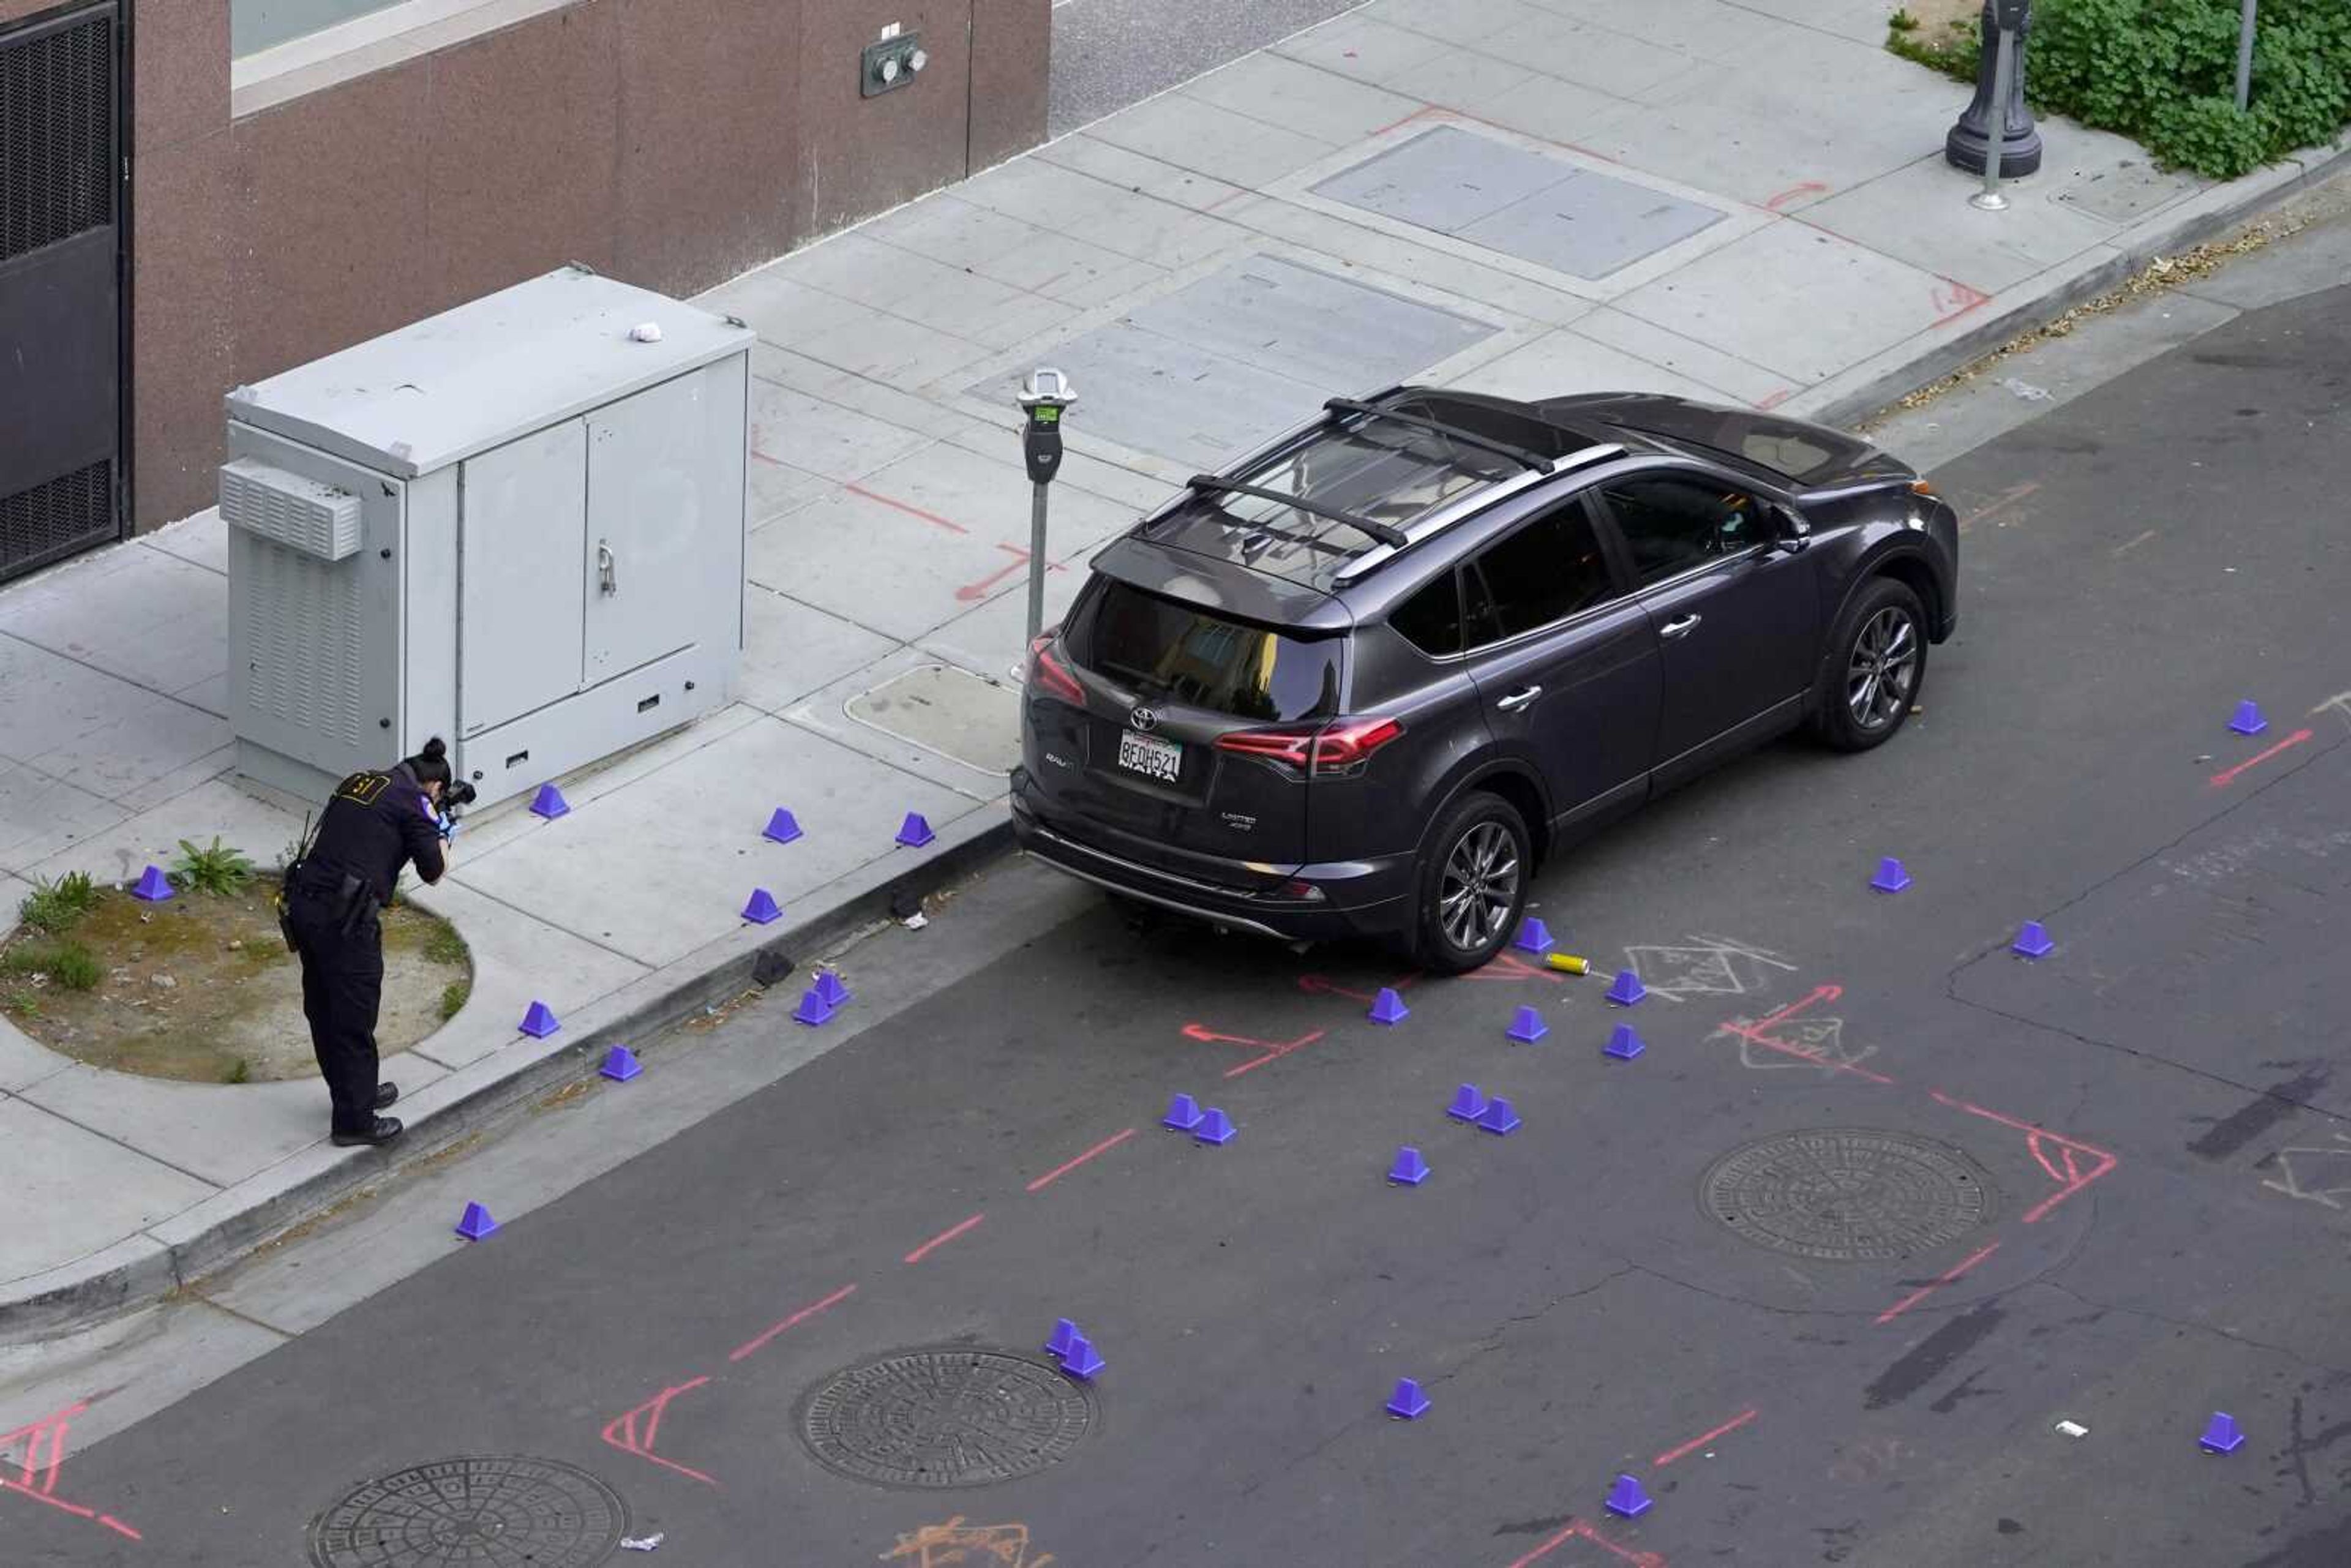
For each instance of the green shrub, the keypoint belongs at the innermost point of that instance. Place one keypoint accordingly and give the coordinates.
(2164, 72)
(54, 906)
(215, 869)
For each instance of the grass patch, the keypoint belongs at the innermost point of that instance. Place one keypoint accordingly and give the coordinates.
(443, 946)
(453, 998)
(240, 1072)
(70, 964)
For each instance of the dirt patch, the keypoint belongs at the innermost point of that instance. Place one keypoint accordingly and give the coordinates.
(1940, 20)
(201, 987)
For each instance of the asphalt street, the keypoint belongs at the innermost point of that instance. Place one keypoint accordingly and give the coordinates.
(2105, 1188)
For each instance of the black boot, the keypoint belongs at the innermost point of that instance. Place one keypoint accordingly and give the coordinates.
(385, 1129)
(386, 1096)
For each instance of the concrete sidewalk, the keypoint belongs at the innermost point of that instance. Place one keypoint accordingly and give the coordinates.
(1526, 196)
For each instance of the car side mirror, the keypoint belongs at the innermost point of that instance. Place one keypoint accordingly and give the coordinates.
(1789, 532)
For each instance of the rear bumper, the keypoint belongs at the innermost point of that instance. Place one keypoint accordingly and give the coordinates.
(1357, 899)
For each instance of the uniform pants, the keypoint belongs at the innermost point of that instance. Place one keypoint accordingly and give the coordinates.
(342, 986)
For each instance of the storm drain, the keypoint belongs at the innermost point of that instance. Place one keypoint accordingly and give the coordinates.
(1848, 1195)
(480, 1512)
(950, 1418)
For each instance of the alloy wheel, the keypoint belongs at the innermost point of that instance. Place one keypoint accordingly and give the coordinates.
(1883, 671)
(1479, 886)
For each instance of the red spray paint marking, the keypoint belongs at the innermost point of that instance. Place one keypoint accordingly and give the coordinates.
(1670, 1455)
(1274, 1050)
(1770, 400)
(1580, 1531)
(1955, 300)
(2229, 775)
(753, 1347)
(1323, 986)
(623, 1431)
(911, 510)
(45, 1454)
(1790, 193)
(1058, 1172)
(1755, 1034)
(1423, 113)
(2006, 499)
(2059, 1156)
(1511, 966)
(943, 1238)
(1923, 1291)
(972, 592)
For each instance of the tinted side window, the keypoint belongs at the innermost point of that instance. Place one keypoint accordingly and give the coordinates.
(1549, 568)
(1431, 619)
(1672, 523)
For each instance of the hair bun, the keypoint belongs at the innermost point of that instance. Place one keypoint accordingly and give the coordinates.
(435, 748)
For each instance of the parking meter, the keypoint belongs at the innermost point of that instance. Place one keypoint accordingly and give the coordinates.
(2008, 15)
(1043, 398)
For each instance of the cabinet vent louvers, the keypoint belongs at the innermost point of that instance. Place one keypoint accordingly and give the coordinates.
(300, 514)
(301, 640)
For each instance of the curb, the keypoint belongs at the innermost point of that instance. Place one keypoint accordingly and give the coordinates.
(1880, 393)
(173, 1254)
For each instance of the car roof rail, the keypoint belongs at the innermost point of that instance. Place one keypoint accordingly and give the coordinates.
(1517, 454)
(1469, 505)
(1387, 534)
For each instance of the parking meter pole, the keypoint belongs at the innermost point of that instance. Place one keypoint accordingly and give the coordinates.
(2245, 54)
(1044, 397)
(1036, 561)
(1988, 199)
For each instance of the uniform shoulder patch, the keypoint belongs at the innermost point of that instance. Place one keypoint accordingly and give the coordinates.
(363, 788)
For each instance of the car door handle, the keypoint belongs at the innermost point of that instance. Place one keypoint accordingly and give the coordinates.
(1681, 628)
(1519, 699)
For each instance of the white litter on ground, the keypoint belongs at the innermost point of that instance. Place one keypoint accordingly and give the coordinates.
(647, 1544)
(2073, 1428)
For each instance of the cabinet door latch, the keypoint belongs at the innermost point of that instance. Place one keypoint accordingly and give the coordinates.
(607, 576)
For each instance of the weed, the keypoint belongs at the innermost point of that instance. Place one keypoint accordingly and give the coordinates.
(1903, 22)
(452, 997)
(25, 958)
(54, 906)
(216, 870)
(25, 1004)
(240, 1074)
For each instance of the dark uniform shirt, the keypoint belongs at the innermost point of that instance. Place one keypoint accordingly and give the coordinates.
(374, 825)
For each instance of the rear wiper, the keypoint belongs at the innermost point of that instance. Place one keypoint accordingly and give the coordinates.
(1386, 533)
(1517, 454)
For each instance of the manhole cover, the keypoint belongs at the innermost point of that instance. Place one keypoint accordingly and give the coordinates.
(481, 1512)
(1848, 1194)
(945, 1418)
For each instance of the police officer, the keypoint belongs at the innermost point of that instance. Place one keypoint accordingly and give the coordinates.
(374, 825)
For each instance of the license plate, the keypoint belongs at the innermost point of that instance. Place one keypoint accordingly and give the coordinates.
(1150, 756)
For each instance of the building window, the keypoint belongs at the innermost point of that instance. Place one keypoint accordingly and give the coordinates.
(257, 25)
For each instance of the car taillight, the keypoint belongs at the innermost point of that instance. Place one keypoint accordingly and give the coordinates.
(1047, 674)
(1314, 748)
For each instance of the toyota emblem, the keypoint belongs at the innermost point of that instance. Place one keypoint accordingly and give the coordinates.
(1143, 719)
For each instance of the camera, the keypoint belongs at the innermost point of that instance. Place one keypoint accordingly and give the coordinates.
(457, 792)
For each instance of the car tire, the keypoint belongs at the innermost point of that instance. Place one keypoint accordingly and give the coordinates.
(1875, 668)
(1478, 838)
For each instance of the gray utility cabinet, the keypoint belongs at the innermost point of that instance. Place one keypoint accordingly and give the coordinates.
(518, 525)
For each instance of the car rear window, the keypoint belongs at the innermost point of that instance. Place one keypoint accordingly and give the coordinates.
(1172, 651)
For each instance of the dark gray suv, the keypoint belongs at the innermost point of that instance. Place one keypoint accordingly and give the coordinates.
(1362, 682)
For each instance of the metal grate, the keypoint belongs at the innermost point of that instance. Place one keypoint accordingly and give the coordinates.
(51, 521)
(57, 134)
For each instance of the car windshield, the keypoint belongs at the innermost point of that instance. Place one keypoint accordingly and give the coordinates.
(1171, 651)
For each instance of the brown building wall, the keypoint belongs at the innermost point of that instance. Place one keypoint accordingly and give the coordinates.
(672, 143)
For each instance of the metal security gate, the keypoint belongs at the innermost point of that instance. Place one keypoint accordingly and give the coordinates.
(61, 271)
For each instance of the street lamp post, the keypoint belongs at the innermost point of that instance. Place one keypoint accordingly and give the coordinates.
(2006, 24)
